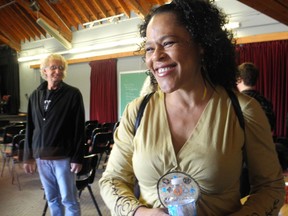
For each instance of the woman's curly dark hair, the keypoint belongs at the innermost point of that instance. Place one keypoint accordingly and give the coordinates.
(204, 21)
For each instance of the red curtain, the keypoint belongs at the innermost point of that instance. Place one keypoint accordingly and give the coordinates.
(272, 60)
(103, 92)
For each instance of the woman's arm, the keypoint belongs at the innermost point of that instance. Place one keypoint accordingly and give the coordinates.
(117, 182)
(265, 173)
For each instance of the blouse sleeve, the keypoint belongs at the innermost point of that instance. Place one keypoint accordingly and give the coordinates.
(117, 182)
(265, 173)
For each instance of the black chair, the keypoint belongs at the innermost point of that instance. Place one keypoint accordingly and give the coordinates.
(23, 131)
(84, 179)
(17, 159)
(94, 122)
(11, 140)
(88, 131)
(11, 151)
(4, 123)
(115, 126)
(11, 130)
(108, 125)
(101, 144)
(98, 130)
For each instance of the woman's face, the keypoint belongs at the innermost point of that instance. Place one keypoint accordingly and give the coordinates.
(171, 55)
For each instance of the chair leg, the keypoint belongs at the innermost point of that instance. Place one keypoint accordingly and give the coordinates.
(3, 165)
(98, 162)
(6, 162)
(14, 172)
(94, 200)
(46, 204)
(45, 209)
(80, 192)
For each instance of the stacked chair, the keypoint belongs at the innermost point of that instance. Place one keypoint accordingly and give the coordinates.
(12, 151)
(7, 147)
(102, 144)
(17, 159)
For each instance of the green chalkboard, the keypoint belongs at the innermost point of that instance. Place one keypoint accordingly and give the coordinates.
(130, 85)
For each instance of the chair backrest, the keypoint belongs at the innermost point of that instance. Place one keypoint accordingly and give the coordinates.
(116, 125)
(16, 140)
(10, 131)
(87, 174)
(94, 122)
(23, 131)
(98, 130)
(108, 125)
(101, 141)
(88, 130)
(4, 123)
(20, 150)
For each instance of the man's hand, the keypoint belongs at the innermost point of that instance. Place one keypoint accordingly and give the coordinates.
(76, 168)
(29, 167)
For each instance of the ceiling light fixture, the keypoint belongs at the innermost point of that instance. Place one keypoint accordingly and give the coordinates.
(53, 32)
(115, 18)
(127, 44)
(232, 25)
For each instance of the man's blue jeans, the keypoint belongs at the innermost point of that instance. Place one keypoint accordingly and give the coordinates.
(59, 186)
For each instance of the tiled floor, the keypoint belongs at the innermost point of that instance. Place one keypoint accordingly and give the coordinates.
(29, 201)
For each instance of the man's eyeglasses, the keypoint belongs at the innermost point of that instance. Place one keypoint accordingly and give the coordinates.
(54, 67)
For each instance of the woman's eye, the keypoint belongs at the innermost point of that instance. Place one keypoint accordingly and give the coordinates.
(149, 49)
(168, 43)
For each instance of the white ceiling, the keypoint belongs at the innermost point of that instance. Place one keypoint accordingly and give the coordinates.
(252, 22)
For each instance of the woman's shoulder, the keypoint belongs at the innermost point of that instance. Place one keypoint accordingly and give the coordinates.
(246, 101)
(247, 104)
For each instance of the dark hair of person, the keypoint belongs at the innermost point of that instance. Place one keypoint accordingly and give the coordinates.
(249, 73)
(204, 21)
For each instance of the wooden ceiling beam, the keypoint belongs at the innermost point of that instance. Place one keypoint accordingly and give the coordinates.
(112, 10)
(136, 8)
(275, 9)
(101, 8)
(124, 8)
(4, 39)
(14, 33)
(31, 26)
(159, 2)
(25, 7)
(72, 19)
(63, 29)
(27, 30)
(77, 6)
(66, 34)
(10, 42)
(89, 8)
(146, 6)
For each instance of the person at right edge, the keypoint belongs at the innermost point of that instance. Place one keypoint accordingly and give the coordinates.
(247, 77)
(190, 125)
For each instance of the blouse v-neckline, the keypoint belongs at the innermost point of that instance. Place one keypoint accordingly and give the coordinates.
(195, 130)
